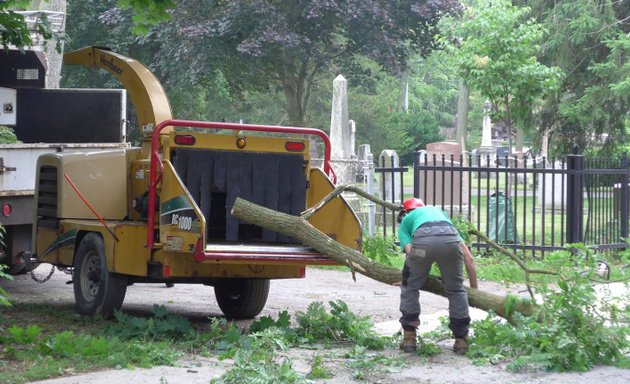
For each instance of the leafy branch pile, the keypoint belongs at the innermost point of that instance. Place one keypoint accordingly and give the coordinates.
(4, 297)
(573, 329)
(258, 356)
(42, 355)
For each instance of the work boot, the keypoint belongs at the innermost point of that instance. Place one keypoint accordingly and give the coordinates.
(408, 343)
(460, 347)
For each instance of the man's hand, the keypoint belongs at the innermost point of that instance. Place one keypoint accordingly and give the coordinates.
(407, 249)
(470, 265)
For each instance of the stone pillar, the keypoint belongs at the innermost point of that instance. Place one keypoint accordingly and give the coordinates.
(339, 129)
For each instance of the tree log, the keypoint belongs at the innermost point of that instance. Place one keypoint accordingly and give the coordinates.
(301, 230)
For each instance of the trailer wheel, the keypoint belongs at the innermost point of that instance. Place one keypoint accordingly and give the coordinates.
(96, 291)
(241, 298)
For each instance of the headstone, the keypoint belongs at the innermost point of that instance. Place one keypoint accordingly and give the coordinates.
(486, 152)
(389, 159)
(445, 148)
(448, 187)
(368, 208)
(353, 132)
(503, 153)
(551, 187)
(364, 149)
(486, 132)
(339, 128)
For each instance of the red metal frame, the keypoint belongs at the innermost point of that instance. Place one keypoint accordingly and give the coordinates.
(154, 178)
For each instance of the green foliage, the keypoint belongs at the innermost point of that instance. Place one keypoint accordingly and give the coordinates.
(7, 136)
(589, 41)
(13, 30)
(383, 251)
(364, 363)
(161, 326)
(463, 227)
(265, 322)
(572, 331)
(338, 324)
(319, 370)
(68, 349)
(313, 37)
(428, 349)
(256, 361)
(420, 128)
(4, 296)
(148, 12)
(21, 335)
(495, 46)
(255, 354)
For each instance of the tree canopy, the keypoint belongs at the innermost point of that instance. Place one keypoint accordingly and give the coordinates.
(495, 47)
(273, 62)
(267, 44)
(590, 41)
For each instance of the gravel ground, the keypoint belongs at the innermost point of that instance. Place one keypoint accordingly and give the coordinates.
(364, 297)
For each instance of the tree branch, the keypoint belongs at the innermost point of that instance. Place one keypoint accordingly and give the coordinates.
(303, 232)
(343, 188)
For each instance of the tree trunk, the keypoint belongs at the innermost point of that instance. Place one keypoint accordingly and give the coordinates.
(461, 124)
(301, 230)
(293, 88)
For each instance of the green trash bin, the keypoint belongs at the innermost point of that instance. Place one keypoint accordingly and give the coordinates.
(500, 219)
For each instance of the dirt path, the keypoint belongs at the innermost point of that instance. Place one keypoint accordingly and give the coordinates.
(365, 297)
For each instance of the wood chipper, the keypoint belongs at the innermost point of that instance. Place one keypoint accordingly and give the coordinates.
(160, 213)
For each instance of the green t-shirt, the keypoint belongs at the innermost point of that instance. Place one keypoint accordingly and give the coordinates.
(415, 219)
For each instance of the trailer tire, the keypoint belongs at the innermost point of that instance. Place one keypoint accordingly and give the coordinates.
(96, 291)
(241, 298)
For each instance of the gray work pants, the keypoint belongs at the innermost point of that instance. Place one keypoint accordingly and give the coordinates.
(439, 244)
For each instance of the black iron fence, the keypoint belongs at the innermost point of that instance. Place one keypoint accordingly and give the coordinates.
(527, 203)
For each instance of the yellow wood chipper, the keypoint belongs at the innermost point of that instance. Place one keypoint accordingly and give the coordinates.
(160, 213)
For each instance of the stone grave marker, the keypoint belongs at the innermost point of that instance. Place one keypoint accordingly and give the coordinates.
(389, 159)
(339, 127)
(450, 187)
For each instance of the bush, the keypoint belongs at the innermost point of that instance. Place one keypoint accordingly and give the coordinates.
(7, 136)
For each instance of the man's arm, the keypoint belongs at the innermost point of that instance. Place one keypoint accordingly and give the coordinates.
(470, 265)
(404, 236)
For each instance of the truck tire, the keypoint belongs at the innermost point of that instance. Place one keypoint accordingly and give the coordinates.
(242, 298)
(96, 291)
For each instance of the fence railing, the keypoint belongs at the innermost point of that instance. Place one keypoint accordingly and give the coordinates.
(528, 204)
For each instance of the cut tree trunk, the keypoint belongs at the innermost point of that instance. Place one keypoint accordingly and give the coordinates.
(301, 230)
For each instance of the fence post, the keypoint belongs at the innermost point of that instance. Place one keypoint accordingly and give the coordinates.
(416, 179)
(575, 196)
(623, 204)
(370, 189)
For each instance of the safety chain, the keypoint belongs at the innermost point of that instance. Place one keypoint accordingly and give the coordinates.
(66, 270)
(45, 279)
